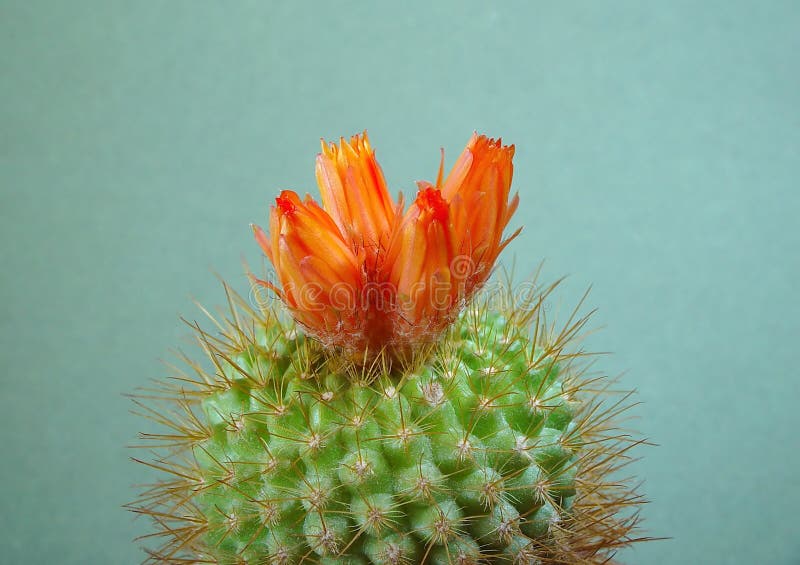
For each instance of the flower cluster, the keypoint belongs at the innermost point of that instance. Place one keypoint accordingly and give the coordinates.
(361, 273)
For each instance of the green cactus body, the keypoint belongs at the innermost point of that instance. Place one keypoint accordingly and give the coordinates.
(482, 448)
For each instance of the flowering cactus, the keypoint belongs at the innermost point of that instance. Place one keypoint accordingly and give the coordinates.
(396, 415)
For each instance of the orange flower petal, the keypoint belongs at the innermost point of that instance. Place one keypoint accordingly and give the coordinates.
(354, 192)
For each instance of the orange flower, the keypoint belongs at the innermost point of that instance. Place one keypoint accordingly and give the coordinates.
(450, 238)
(478, 187)
(319, 274)
(355, 195)
(359, 275)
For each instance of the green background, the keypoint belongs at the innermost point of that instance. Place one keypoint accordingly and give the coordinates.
(658, 158)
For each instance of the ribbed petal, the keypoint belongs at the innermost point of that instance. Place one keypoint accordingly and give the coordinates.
(478, 188)
(354, 193)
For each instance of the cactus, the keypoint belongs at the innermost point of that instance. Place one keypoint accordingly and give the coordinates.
(475, 434)
(491, 446)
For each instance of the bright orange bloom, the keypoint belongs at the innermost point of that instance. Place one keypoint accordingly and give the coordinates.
(450, 238)
(358, 274)
(319, 274)
(478, 188)
(355, 195)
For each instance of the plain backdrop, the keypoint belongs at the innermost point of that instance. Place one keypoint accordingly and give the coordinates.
(658, 158)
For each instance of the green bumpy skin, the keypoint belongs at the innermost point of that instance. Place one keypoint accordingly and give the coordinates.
(467, 454)
(481, 449)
